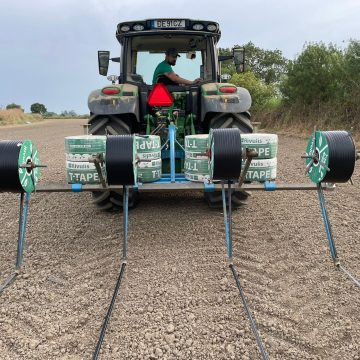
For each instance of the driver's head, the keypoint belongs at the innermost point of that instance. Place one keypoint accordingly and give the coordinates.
(171, 56)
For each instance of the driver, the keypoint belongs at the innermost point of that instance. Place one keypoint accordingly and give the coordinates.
(165, 74)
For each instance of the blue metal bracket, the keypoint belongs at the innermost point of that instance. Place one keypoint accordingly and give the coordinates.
(172, 137)
(136, 187)
(209, 187)
(76, 188)
(270, 185)
(23, 214)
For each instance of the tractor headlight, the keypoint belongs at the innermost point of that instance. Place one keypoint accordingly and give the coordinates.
(198, 26)
(125, 28)
(211, 27)
(138, 27)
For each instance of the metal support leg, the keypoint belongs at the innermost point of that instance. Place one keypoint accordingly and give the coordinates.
(228, 232)
(172, 137)
(125, 220)
(327, 225)
(330, 237)
(21, 242)
(23, 213)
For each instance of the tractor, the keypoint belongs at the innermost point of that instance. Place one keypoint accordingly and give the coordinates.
(122, 107)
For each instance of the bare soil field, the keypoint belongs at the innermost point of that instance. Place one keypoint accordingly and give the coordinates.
(179, 299)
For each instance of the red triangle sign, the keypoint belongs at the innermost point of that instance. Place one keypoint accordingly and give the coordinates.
(160, 96)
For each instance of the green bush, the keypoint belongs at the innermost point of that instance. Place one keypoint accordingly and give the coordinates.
(315, 76)
(351, 73)
(262, 94)
(14, 106)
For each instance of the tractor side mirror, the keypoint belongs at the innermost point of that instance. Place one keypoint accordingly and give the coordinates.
(239, 59)
(103, 60)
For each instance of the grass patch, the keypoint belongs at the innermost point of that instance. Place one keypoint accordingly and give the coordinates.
(300, 120)
(17, 116)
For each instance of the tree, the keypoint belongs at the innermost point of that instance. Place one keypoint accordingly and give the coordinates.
(14, 106)
(267, 65)
(316, 75)
(351, 70)
(70, 113)
(38, 108)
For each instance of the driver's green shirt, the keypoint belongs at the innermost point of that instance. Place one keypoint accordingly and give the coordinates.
(161, 69)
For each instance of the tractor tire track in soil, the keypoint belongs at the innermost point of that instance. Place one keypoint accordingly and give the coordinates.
(179, 299)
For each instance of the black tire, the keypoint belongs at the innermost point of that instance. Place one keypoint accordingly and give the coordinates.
(109, 125)
(238, 199)
(113, 200)
(229, 120)
(112, 125)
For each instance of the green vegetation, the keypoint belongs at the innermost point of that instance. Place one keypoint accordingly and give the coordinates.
(38, 108)
(267, 65)
(14, 116)
(14, 106)
(320, 87)
(262, 94)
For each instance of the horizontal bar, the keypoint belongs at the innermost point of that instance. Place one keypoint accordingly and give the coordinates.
(161, 186)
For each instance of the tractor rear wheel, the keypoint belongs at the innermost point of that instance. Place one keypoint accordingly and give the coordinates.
(111, 125)
(225, 121)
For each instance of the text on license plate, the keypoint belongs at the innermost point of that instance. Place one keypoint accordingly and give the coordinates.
(161, 24)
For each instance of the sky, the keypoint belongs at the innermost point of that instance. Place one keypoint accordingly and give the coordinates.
(49, 47)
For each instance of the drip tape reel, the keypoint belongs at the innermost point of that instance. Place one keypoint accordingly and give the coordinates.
(330, 157)
(19, 166)
(120, 160)
(226, 154)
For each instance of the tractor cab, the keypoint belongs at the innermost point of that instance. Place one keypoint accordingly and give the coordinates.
(144, 44)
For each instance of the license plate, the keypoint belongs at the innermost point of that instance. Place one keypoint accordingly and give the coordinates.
(166, 24)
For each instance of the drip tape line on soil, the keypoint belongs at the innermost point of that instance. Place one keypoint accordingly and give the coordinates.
(228, 227)
(349, 275)
(109, 312)
(253, 325)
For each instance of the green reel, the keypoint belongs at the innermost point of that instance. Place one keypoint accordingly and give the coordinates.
(330, 157)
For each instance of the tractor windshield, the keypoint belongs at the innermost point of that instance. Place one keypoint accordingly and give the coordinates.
(148, 51)
(187, 65)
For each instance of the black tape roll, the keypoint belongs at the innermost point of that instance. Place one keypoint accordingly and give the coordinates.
(9, 165)
(227, 154)
(342, 156)
(120, 160)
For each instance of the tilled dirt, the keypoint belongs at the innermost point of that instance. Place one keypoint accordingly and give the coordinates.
(179, 299)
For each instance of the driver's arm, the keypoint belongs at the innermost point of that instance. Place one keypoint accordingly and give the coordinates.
(176, 78)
